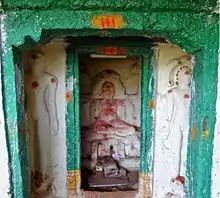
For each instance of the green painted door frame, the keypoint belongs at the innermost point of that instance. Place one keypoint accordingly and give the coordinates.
(196, 32)
(147, 91)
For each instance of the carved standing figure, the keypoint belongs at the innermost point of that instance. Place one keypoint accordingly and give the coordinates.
(176, 102)
(48, 148)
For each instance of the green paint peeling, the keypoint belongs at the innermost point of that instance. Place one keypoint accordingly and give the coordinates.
(190, 25)
(70, 114)
(23, 136)
(147, 89)
(203, 104)
(11, 124)
(184, 29)
(76, 111)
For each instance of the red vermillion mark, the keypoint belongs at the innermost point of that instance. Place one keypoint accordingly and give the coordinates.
(186, 96)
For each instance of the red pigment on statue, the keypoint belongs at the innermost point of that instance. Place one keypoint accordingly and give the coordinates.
(181, 179)
(121, 103)
(186, 96)
(105, 136)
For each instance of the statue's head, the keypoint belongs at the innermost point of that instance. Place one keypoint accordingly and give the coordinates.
(181, 76)
(108, 90)
(107, 85)
(181, 73)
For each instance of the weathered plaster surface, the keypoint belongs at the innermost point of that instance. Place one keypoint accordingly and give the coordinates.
(123, 78)
(45, 90)
(195, 31)
(4, 163)
(138, 22)
(171, 123)
(125, 5)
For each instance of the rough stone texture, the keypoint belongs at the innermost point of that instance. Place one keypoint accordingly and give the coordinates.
(216, 150)
(145, 5)
(191, 26)
(172, 119)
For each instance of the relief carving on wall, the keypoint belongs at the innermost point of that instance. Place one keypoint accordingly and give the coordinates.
(175, 101)
(44, 78)
(45, 89)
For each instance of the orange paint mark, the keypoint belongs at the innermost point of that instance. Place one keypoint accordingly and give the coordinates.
(194, 133)
(205, 131)
(152, 104)
(68, 96)
(73, 180)
(108, 21)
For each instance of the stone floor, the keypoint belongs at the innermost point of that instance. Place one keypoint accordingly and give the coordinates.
(115, 194)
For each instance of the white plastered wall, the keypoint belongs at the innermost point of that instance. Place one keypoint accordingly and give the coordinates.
(161, 175)
(166, 153)
(46, 108)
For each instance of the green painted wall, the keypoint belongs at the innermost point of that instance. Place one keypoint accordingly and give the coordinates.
(191, 25)
(143, 5)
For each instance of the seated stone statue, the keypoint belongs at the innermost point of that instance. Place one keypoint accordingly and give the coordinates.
(110, 131)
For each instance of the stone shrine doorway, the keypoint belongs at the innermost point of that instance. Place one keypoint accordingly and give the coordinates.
(113, 87)
(110, 90)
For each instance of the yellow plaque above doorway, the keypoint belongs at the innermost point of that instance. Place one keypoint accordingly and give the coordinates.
(108, 21)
